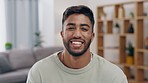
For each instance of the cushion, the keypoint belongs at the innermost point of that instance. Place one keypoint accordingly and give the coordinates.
(21, 58)
(41, 53)
(18, 76)
(4, 63)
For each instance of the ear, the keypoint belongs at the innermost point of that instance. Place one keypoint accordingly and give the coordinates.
(61, 33)
(92, 37)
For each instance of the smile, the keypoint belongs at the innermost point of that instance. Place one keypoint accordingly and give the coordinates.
(76, 44)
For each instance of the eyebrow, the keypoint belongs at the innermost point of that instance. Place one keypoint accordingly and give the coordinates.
(84, 25)
(70, 24)
(80, 24)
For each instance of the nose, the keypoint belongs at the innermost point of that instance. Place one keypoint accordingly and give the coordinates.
(77, 33)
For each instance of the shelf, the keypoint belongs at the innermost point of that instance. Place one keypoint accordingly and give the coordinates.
(127, 34)
(119, 13)
(119, 19)
(126, 18)
(131, 81)
(143, 67)
(100, 34)
(140, 82)
(123, 19)
(127, 65)
(100, 48)
(111, 48)
(142, 17)
(112, 34)
(134, 81)
(143, 50)
(105, 20)
(127, 2)
(101, 21)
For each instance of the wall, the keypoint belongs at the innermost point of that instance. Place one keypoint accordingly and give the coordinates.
(46, 22)
(2, 26)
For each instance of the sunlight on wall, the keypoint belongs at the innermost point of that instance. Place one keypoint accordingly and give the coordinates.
(46, 22)
(2, 26)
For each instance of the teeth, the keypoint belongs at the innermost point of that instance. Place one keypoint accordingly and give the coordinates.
(76, 42)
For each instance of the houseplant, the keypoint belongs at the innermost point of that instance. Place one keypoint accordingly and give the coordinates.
(130, 54)
(8, 46)
(132, 14)
(39, 41)
(116, 29)
(131, 28)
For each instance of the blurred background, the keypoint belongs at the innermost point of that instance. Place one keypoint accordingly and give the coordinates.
(26, 24)
(21, 19)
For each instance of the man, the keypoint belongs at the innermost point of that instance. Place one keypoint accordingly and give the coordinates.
(76, 64)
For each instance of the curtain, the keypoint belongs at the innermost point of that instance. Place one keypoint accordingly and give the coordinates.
(2, 26)
(22, 22)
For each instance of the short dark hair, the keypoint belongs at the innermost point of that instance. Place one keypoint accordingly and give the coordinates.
(81, 9)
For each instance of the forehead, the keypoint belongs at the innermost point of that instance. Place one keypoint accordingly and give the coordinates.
(78, 18)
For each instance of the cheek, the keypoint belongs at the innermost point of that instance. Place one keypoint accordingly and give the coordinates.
(88, 35)
(67, 36)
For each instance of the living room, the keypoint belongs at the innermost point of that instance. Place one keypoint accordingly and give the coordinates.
(27, 24)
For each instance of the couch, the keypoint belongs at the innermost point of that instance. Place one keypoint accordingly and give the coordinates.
(15, 64)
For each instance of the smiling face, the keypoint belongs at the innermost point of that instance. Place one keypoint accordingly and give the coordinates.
(77, 34)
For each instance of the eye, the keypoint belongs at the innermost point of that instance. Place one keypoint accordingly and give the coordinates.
(84, 29)
(70, 28)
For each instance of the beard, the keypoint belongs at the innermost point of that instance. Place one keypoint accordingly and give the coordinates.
(73, 53)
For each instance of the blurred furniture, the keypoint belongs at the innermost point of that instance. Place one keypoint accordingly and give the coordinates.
(15, 64)
(133, 27)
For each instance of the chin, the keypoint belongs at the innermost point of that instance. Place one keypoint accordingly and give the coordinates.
(77, 53)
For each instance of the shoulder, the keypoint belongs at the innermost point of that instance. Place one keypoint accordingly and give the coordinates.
(109, 69)
(105, 64)
(45, 63)
(39, 69)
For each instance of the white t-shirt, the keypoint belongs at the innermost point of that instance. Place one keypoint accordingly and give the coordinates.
(52, 70)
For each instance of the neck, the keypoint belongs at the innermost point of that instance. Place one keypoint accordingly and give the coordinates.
(75, 62)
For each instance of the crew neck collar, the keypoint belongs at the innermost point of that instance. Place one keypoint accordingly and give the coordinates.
(74, 71)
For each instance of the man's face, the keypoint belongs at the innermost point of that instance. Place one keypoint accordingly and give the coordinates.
(77, 34)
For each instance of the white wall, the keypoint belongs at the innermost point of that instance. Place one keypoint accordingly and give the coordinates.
(2, 26)
(46, 22)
